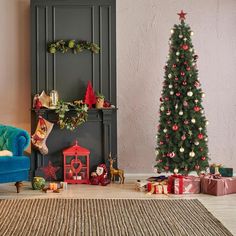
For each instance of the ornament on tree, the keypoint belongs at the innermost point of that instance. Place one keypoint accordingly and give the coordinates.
(192, 154)
(183, 137)
(168, 112)
(176, 78)
(185, 47)
(166, 99)
(188, 68)
(181, 149)
(169, 76)
(203, 158)
(182, 15)
(178, 94)
(162, 108)
(197, 167)
(190, 93)
(170, 86)
(177, 53)
(186, 122)
(200, 136)
(181, 113)
(181, 36)
(176, 171)
(196, 108)
(182, 73)
(164, 130)
(175, 127)
(172, 155)
(193, 120)
(184, 83)
(171, 92)
(90, 97)
(185, 103)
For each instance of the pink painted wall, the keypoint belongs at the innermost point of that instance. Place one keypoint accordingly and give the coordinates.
(143, 30)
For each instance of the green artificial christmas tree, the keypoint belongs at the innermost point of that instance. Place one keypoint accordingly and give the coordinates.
(182, 137)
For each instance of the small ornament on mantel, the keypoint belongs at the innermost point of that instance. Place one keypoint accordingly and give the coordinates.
(89, 98)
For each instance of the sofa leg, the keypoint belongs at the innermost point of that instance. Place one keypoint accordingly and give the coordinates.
(18, 185)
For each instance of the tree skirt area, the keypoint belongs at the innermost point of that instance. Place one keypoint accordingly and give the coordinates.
(107, 217)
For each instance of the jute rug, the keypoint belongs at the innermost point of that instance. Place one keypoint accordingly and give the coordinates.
(67, 217)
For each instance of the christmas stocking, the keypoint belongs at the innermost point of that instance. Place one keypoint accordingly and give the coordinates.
(42, 131)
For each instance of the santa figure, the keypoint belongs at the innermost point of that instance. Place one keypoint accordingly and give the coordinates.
(100, 176)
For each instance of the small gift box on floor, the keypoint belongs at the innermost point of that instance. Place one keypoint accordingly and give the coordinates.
(179, 184)
(218, 186)
(224, 171)
(157, 187)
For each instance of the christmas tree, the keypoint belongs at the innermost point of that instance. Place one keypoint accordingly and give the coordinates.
(182, 137)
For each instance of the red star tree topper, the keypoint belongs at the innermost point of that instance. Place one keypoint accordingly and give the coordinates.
(182, 15)
(50, 171)
(89, 97)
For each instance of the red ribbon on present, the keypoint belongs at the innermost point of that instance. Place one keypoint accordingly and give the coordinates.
(171, 183)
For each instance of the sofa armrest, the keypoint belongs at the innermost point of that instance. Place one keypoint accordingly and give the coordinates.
(13, 139)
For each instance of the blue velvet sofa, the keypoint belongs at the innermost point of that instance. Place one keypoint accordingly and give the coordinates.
(14, 168)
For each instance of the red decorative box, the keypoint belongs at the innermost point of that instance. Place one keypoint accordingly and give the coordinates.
(179, 184)
(218, 187)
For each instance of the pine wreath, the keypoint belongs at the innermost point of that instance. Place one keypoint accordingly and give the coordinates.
(71, 122)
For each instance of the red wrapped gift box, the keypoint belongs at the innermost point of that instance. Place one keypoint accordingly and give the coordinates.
(218, 187)
(179, 184)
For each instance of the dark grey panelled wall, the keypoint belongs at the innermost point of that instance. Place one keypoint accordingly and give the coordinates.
(90, 20)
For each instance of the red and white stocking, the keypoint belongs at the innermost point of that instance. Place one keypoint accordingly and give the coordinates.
(40, 135)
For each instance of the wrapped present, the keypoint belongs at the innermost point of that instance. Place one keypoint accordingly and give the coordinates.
(179, 184)
(157, 187)
(141, 185)
(225, 172)
(218, 186)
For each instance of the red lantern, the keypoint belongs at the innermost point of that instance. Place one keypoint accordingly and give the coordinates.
(76, 165)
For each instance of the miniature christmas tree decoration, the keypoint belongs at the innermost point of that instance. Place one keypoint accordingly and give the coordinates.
(90, 98)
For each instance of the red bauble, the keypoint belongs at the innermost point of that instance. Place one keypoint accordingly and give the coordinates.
(197, 167)
(166, 168)
(174, 65)
(188, 68)
(183, 137)
(200, 136)
(161, 143)
(184, 82)
(176, 78)
(186, 169)
(178, 94)
(166, 99)
(182, 56)
(167, 136)
(200, 149)
(196, 108)
(175, 127)
(161, 99)
(203, 158)
(185, 63)
(185, 47)
(182, 73)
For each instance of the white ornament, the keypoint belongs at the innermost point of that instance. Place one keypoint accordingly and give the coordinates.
(162, 108)
(185, 39)
(181, 113)
(176, 170)
(181, 36)
(207, 122)
(177, 59)
(193, 64)
(190, 93)
(181, 149)
(190, 132)
(171, 92)
(164, 130)
(191, 33)
(170, 42)
(176, 106)
(170, 86)
(177, 53)
(172, 31)
(169, 76)
(196, 143)
(200, 128)
(192, 154)
(156, 152)
(196, 101)
(190, 49)
(193, 121)
(203, 95)
(206, 139)
(202, 111)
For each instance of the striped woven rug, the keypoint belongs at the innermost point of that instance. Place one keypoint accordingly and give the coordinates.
(113, 217)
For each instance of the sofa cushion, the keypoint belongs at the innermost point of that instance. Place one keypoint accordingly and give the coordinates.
(14, 164)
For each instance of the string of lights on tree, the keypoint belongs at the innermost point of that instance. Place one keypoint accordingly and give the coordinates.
(182, 136)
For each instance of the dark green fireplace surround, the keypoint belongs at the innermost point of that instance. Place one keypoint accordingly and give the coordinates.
(90, 20)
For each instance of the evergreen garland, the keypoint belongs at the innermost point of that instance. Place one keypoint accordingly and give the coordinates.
(72, 45)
